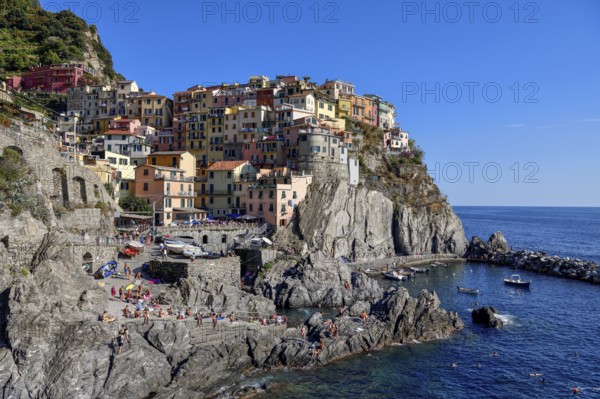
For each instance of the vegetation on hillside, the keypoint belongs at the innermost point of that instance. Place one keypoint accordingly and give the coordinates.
(29, 36)
(16, 181)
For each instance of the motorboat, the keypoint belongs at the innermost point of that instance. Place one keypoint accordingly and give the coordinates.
(515, 280)
(192, 251)
(175, 246)
(107, 270)
(129, 252)
(138, 246)
(465, 290)
(395, 276)
(419, 269)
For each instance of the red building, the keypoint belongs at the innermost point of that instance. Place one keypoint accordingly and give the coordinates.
(56, 78)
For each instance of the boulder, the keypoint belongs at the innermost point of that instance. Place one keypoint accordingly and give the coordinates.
(477, 247)
(497, 243)
(487, 316)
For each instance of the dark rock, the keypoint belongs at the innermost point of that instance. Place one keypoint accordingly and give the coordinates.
(477, 247)
(497, 243)
(487, 316)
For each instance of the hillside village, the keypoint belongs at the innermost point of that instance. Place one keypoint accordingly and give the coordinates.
(219, 152)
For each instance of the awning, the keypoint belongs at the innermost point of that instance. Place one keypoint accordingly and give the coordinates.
(247, 217)
(233, 215)
(189, 210)
(131, 216)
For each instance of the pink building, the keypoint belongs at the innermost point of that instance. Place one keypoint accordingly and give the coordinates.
(267, 153)
(56, 78)
(395, 139)
(275, 195)
(129, 125)
(171, 192)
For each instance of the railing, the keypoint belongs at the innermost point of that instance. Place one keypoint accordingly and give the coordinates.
(159, 176)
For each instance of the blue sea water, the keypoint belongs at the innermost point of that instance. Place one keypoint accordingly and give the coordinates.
(552, 329)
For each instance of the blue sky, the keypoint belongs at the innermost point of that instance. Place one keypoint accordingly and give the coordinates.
(493, 87)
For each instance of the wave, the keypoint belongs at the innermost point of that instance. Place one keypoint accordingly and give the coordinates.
(507, 319)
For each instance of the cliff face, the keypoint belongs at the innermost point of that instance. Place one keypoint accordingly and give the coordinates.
(382, 217)
(341, 220)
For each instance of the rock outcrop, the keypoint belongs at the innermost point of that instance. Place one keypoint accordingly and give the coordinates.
(315, 283)
(342, 220)
(487, 316)
(361, 223)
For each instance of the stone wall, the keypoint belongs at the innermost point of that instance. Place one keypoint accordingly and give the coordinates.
(66, 183)
(253, 259)
(221, 271)
(212, 240)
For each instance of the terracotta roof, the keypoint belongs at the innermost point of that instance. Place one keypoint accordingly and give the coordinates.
(226, 165)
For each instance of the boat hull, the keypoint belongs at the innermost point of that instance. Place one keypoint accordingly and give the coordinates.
(522, 284)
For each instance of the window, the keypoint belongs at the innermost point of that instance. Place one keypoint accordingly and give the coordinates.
(321, 105)
(250, 208)
(211, 200)
(294, 195)
(224, 239)
(153, 160)
(250, 194)
(123, 161)
(282, 208)
(270, 207)
(228, 200)
(145, 172)
(145, 186)
(229, 174)
(283, 194)
(211, 175)
(260, 207)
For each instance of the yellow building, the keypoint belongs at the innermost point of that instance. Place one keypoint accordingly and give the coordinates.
(175, 159)
(215, 128)
(155, 110)
(325, 107)
(343, 108)
(224, 188)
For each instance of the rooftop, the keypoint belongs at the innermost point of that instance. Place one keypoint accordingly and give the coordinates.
(226, 165)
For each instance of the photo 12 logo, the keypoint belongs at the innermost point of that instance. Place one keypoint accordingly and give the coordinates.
(252, 12)
(470, 92)
(93, 12)
(489, 172)
(454, 12)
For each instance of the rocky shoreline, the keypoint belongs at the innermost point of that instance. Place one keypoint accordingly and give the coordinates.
(497, 251)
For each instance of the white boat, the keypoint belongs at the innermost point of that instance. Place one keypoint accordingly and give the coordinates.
(419, 269)
(395, 276)
(175, 247)
(135, 245)
(191, 251)
(515, 280)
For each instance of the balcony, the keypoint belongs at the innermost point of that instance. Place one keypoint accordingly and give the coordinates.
(160, 176)
(220, 192)
(186, 193)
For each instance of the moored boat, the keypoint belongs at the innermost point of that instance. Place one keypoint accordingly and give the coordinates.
(395, 276)
(419, 269)
(175, 246)
(135, 245)
(515, 280)
(466, 290)
(191, 251)
(106, 270)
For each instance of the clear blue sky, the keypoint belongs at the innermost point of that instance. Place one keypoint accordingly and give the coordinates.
(550, 49)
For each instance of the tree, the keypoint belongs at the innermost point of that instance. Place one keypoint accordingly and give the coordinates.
(132, 203)
(418, 153)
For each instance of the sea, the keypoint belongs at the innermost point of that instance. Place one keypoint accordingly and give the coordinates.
(549, 345)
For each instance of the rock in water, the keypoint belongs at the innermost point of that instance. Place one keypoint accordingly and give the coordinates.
(497, 243)
(487, 316)
(477, 247)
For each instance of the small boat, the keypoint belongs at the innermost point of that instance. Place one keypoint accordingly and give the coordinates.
(395, 276)
(466, 290)
(187, 239)
(515, 280)
(129, 252)
(174, 246)
(107, 270)
(419, 269)
(191, 251)
(135, 245)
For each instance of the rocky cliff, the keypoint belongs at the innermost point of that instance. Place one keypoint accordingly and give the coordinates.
(376, 219)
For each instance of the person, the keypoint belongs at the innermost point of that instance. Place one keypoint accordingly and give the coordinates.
(137, 314)
(126, 334)
(113, 293)
(146, 316)
(188, 312)
(139, 305)
(161, 247)
(214, 320)
(126, 311)
(106, 318)
(120, 343)
(303, 332)
(165, 253)
(138, 275)
(121, 293)
(126, 270)
(363, 316)
(340, 311)
(198, 319)
(162, 313)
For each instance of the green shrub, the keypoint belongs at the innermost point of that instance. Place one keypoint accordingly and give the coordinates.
(25, 272)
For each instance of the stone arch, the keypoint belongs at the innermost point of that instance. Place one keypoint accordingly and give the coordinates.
(60, 195)
(16, 149)
(204, 239)
(79, 190)
(88, 262)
